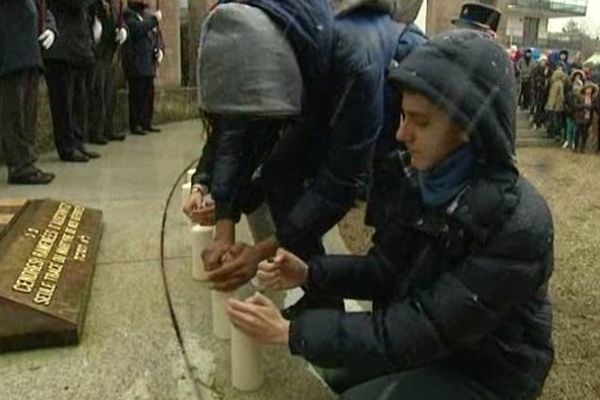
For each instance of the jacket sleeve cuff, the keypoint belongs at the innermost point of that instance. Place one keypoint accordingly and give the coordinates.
(295, 342)
(227, 211)
(201, 179)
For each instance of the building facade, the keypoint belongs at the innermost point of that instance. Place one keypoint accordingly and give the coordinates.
(524, 22)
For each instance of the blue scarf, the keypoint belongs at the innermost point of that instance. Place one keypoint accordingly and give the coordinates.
(444, 182)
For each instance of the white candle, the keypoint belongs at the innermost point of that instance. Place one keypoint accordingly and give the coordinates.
(186, 188)
(246, 364)
(221, 324)
(190, 174)
(200, 237)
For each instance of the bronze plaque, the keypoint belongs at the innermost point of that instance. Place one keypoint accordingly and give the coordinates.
(48, 252)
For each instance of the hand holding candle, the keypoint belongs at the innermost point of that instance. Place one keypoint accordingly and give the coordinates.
(200, 208)
(237, 270)
(284, 271)
(214, 254)
(258, 318)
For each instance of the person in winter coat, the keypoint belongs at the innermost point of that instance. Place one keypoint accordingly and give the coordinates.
(333, 71)
(66, 63)
(555, 105)
(481, 17)
(141, 55)
(459, 277)
(108, 23)
(26, 29)
(524, 71)
(541, 86)
(585, 108)
(563, 58)
(572, 93)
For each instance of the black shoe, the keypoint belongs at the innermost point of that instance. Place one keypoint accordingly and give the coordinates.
(98, 139)
(75, 156)
(311, 301)
(115, 137)
(29, 176)
(88, 153)
(138, 131)
(152, 129)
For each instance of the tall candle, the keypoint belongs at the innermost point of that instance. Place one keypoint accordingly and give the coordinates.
(200, 237)
(246, 363)
(190, 174)
(186, 188)
(221, 324)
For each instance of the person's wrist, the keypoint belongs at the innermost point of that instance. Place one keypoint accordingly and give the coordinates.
(284, 337)
(225, 231)
(267, 248)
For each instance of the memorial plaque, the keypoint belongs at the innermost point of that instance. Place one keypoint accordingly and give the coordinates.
(48, 252)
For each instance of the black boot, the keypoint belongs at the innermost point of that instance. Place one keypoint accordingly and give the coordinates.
(99, 139)
(115, 137)
(151, 129)
(138, 131)
(75, 156)
(88, 153)
(29, 176)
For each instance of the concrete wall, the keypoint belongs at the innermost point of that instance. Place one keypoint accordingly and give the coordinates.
(171, 104)
(440, 14)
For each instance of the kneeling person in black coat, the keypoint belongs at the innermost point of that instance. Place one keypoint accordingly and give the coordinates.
(459, 275)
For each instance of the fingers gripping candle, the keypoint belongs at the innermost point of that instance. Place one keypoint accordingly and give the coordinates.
(201, 237)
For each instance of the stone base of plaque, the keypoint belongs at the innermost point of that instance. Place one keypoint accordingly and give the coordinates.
(48, 252)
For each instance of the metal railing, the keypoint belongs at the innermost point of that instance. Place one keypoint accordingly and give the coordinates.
(573, 7)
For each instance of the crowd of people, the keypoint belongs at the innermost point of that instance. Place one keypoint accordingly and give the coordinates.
(309, 104)
(559, 96)
(76, 44)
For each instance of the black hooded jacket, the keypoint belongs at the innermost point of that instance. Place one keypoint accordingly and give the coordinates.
(463, 286)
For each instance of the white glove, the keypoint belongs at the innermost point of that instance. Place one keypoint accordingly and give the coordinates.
(47, 38)
(121, 35)
(158, 15)
(97, 30)
(159, 56)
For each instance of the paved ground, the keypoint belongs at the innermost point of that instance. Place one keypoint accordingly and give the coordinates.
(130, 349)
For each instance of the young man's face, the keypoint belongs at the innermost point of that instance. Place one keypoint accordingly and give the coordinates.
(428, 133)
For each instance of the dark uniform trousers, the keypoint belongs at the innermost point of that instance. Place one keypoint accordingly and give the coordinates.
(141, 101)
(102, 95)
(429, 383)
(18, 117)
(66, 88)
